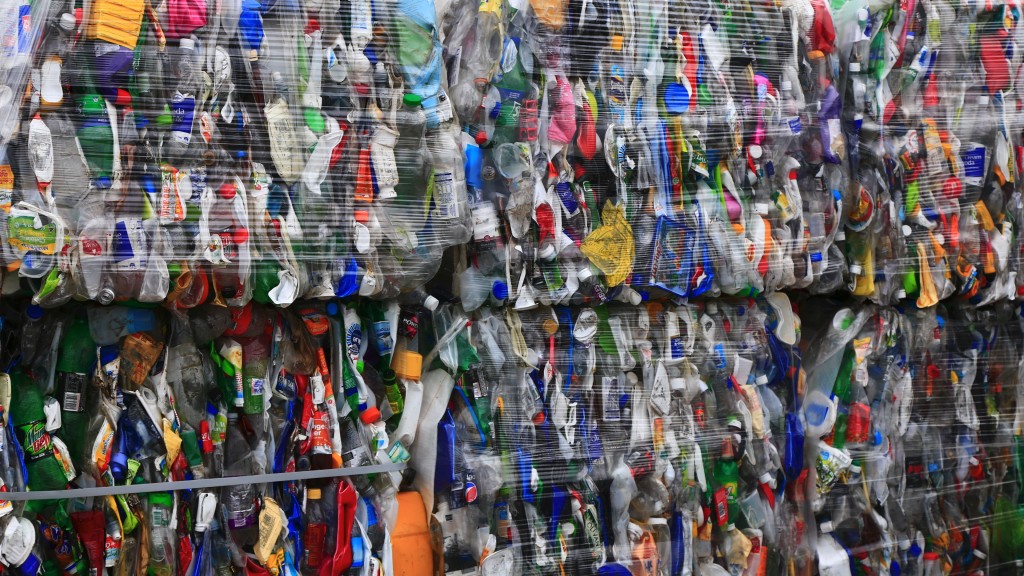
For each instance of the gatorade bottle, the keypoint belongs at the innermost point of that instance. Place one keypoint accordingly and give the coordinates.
(44, 472)
(74, 366)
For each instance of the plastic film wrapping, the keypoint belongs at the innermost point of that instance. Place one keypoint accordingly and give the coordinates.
(649, 287)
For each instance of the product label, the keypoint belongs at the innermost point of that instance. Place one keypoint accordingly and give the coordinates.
(385, 169)
(35, 440)
(444, 195)
(6, 187)
(129, 245)
(73, 384)
(182, 110)
(24, 234)
(612, 392)
(382, 332)
(973, 157)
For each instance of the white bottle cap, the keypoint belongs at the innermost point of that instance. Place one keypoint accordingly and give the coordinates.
(584, 274)
(761, 379)
(862, 15)
(765, 478)
(940, 239)
(677, 384)
(67, 22)
(856, 269)
(187, 44)
(547, 252)
(983, 100)
(755, 151)
(786, 85)
(854, 67)
(826, 527)
(906, 230)
(901, 293)
(431, 303)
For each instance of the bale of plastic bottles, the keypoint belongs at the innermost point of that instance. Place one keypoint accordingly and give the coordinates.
(546, 287)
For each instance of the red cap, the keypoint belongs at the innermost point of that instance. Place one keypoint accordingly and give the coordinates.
(123, 98)
(227, 191)
(241, 235)
(370, 415)
(481, 138)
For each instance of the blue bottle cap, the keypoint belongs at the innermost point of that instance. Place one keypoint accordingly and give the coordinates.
(915, 550)
(332, 308)
(34, 312)
(119, 465)
(240, 154)
(103, 182)
(500, 290)
(816, 257)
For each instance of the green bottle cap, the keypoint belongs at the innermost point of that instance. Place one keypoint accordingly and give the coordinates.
(315, 120)
(412, 100)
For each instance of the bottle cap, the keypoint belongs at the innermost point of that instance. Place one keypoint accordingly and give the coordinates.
(635, 298)
(787, 85)
(906, 230)
(332, 308)
(584, 274)
(187, 44)
(370, 415)
(34, 312)
(761, 379)
(855, 269)
(431, 303)
(854, 67)
(412, 100)
(313, 494)
(499, 290)
(547, 252)
(408, 365)
(616, 43)
(983, 100)
(67, 22)
(826, 527)
(481, 138)
(765, 478)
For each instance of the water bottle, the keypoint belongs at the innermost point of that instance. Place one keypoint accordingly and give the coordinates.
(183, 100)
(407, 210)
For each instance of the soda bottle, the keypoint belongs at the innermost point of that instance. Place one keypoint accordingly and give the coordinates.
(75, 361)
(314, 537)
(407, 209)
(29, 420)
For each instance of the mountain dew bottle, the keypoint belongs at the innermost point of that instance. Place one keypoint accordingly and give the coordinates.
(44, 472)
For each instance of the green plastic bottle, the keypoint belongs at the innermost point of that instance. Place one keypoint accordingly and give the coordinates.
(96, 137)
(74, 366)
(44, 472)
(726, 474)
(842, 393)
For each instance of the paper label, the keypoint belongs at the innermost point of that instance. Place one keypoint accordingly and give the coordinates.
(444, 195)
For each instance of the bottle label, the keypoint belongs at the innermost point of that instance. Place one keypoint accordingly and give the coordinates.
(385, 169)
(382, 332)
(35, 441)
(973, 157)
(794, 125)
(23, 234)
(73, 384)
(6, 188)
(129, 245)
(568, 199)
(612, 392)
(445, 197)
(182, 110)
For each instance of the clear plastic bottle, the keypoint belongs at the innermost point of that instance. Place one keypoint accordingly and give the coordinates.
(407, 210)
(241, 499)
(183, 100)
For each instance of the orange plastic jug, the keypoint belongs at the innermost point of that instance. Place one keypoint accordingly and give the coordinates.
(410, 540)
(116, 21)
